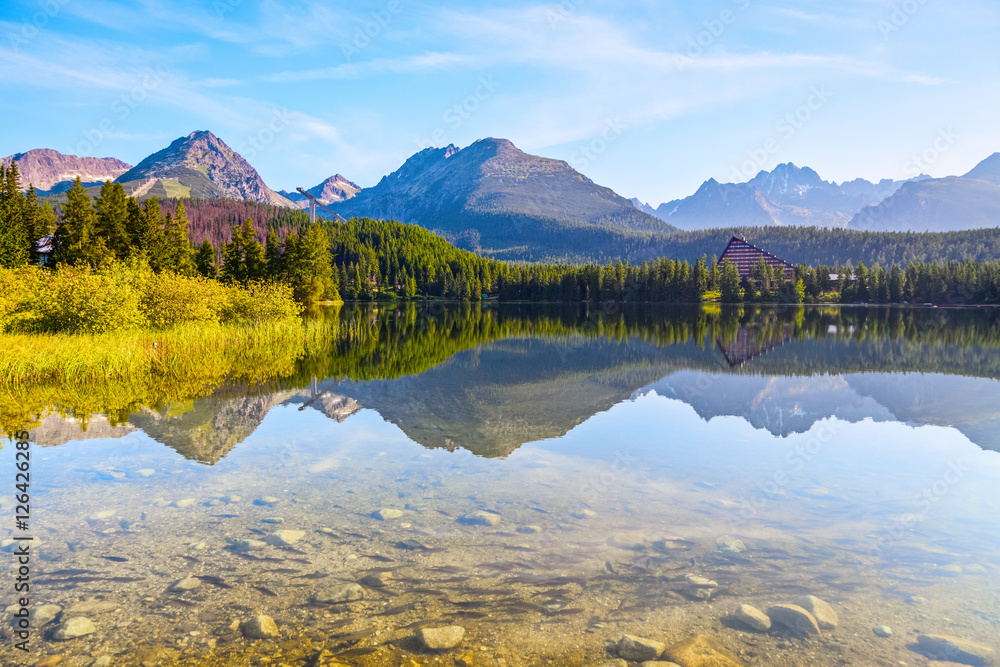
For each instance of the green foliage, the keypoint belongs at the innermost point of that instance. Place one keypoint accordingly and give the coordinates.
(112, 219)
(15, 225)
(76, 236)
(130, 296)
(204, 260)
(243, 257)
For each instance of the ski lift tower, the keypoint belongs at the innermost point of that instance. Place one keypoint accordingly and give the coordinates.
(313, 203)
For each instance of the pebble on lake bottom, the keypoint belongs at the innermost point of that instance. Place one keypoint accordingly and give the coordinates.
(882, 631)
(439, 639)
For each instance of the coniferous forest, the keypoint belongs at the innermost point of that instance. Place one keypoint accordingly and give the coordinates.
(245, 243)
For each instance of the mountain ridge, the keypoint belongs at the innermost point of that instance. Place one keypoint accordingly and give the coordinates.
(200, 165)
(51, 172)
(491, 197)
(787, 195)
(944, 204)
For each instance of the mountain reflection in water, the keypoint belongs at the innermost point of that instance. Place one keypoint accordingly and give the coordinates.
(490, 380)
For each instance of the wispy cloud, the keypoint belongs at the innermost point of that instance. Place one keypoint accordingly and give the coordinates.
(417, 63)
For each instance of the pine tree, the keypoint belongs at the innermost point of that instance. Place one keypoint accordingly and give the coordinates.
(897, 284)
(729, 284)
(14, 236)
(152, 239)
(204, 260)
(177, 247)
(243, 257)
(272, 255)
(75, 238)
(112, 219)
(256, 267)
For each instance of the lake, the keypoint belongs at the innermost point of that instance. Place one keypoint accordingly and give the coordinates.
(547, 479)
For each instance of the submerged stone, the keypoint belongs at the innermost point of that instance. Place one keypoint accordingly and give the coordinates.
(824, 614)
(348, 593)
(751, 616)
(439, 639)
(638, 649)
(728, 544)
(883, 631)
(480, 518)
(249, 545)
(285, 538)
(46, 613)
(185, 584)
(955, 649)
(78, 626)
(387, 513)
(702, 651)
(260, 627)
(794, 618)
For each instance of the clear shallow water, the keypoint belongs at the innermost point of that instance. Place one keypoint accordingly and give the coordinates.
(611, 470)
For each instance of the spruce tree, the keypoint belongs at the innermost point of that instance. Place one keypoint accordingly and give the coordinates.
(204, 259)
(14, 236)
(177, 246)
(112, 219)
(272, 256)
(151, 235)
(75, 238)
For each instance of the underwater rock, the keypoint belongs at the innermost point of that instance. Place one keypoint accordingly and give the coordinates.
(794, 618)
(638, 649)
(439, 639)
(824, 614)
(752, 617)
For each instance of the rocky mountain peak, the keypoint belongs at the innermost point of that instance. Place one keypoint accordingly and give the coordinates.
(201, 164)
(51, 171)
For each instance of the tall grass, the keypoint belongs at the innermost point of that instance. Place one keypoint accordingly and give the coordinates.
(115, 340)
(117, 373)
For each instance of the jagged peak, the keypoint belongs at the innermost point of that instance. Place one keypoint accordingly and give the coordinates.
(987, 170)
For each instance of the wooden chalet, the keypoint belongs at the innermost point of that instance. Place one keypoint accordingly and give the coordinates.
(744, 256)
(43, 249)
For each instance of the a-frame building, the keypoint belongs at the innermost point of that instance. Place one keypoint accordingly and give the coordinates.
(744, 256)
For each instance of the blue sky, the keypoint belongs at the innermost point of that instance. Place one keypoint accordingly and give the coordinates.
(649, 98)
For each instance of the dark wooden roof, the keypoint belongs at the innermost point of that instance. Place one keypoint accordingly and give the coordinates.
(765, 253)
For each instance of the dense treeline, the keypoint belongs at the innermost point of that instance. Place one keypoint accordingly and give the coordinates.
(365, 259)
(23, 219)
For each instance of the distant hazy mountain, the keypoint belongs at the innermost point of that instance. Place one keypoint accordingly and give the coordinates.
(51, 172)
(334, 189)
(199, 165)
(940, 204)
(789, 195)
(491, 196)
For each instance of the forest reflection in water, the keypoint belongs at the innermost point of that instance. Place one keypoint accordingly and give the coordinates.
(379, 358)
(545, 479)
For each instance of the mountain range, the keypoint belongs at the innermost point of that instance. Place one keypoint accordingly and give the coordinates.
(491, 196)
(788, 195)
(52, 172)
(494, 199)
(971, 201)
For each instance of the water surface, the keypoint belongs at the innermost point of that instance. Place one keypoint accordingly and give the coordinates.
(559, 476)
